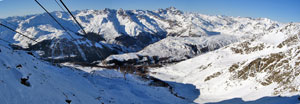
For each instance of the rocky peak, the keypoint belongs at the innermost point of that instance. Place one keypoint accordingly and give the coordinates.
(171, 10)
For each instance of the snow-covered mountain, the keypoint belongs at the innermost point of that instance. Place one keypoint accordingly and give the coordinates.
(171, 49)
(267, 65)
(228, 57)
(25, 79)
(122, 31)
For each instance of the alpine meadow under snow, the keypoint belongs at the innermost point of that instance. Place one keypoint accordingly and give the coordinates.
(164, 56)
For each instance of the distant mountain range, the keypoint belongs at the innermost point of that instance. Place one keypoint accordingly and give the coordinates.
(122, 31)
(222, 57)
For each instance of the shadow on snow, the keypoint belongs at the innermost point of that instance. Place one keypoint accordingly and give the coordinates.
(264, 100)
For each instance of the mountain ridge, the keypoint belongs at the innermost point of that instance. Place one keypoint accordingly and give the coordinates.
(220, 56)
(250, 69)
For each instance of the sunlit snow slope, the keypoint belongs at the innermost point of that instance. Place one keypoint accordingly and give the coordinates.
(265, 65)
(25, 79)
(234, 57)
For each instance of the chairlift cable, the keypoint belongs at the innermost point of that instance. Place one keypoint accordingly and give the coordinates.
(85, 33)
(10, 23)
(15, 26)
(73, 17)
(17, 32)
(54, 19)
(74, 20)
(66, 13)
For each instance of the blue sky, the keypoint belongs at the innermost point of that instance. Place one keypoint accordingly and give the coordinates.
(279, 10)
